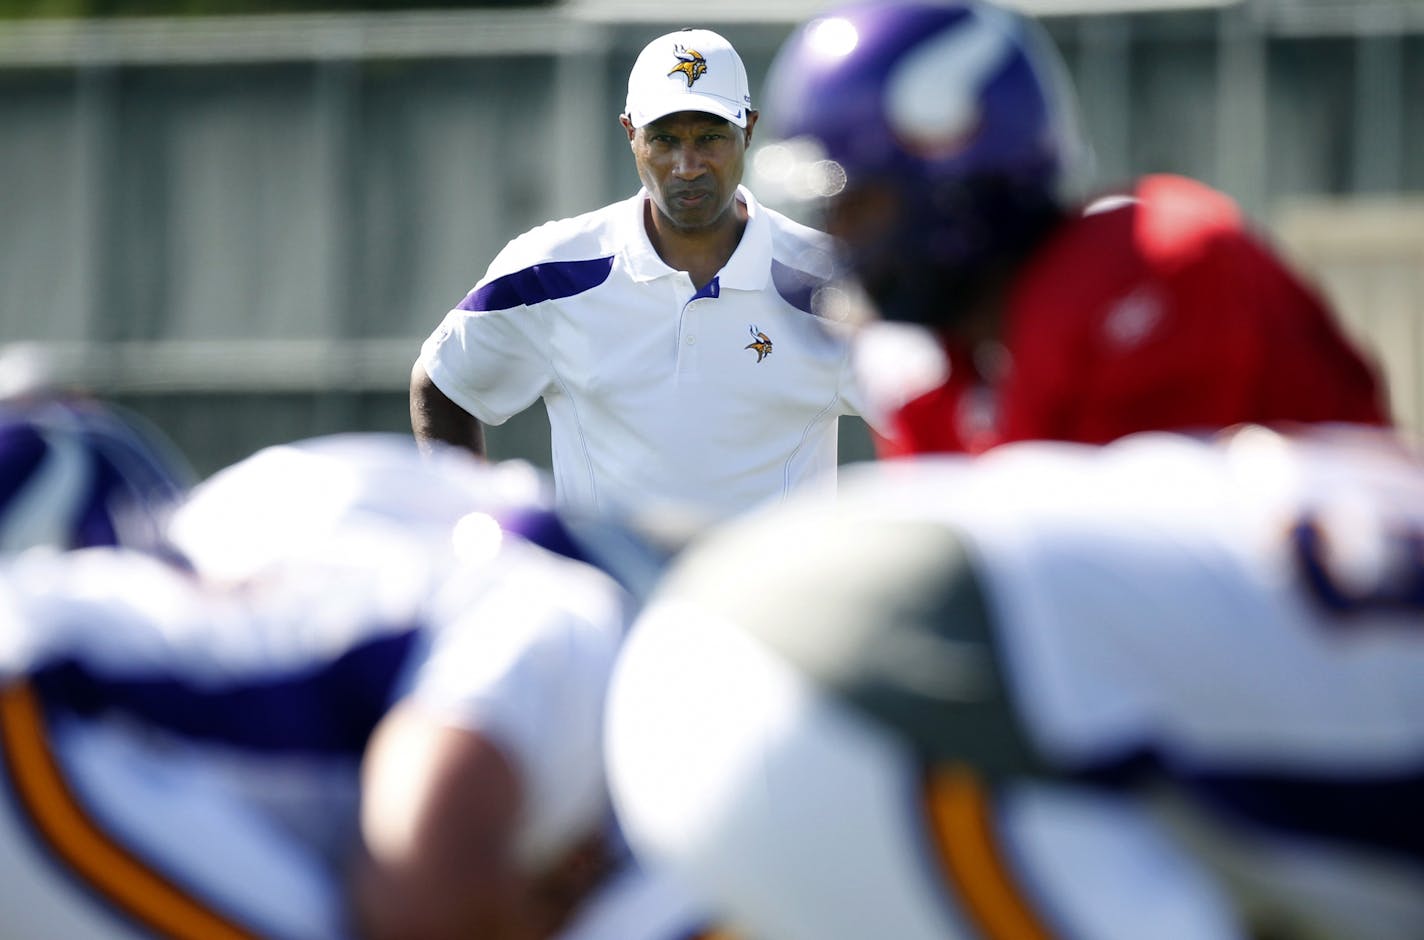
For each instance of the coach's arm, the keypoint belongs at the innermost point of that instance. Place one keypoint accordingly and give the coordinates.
(434, 417)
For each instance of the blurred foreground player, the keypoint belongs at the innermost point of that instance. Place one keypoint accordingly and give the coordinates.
(917, 713)
(382, 721)
(945, 136)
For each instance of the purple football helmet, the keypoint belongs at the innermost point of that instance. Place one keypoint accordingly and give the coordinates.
(956, 115)
(76, 474)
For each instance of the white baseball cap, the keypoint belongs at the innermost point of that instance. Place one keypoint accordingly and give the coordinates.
(689, 70)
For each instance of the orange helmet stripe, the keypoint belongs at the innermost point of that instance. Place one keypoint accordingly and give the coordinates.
(87, 850)
(961, 821)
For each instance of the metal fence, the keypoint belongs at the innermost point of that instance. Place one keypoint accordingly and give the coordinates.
(244, 226)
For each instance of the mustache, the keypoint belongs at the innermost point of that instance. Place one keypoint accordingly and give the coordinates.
(689, 190)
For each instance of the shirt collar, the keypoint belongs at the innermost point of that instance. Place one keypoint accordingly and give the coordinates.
(643, 262)
(749, 268)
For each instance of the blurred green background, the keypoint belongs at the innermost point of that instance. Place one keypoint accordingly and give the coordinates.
(102, 8)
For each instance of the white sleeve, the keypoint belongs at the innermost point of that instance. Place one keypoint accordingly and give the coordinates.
(526, 663)
(891, 364)
(490, 354)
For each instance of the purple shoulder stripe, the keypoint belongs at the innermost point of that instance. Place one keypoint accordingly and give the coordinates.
(548, 281)
(326, 707)
(796, 287)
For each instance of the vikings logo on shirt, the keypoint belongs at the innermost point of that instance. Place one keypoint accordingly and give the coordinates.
(690, 63)
(760, 342)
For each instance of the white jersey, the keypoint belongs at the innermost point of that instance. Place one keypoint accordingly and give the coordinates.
(1239, 622)
(716, 399)
(1245, 555)
(184, 750)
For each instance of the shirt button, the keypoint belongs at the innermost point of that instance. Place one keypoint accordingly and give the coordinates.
(691, 340)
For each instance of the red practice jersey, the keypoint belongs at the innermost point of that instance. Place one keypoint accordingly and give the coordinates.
(1156, 312)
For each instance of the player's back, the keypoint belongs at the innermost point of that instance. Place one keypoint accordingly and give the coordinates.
(1163, 310)
(1258, 597)
(1249, 618)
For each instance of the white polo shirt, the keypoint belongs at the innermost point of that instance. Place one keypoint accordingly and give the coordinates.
(715, 399)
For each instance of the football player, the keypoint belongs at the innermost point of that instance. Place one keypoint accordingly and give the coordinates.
(380, 719)
(944, 139)
(1051, 691)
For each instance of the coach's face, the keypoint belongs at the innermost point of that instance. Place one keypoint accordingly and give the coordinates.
(691, 163)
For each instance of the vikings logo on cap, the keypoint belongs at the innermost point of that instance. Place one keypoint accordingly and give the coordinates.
(690, 63)
(760, 342)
